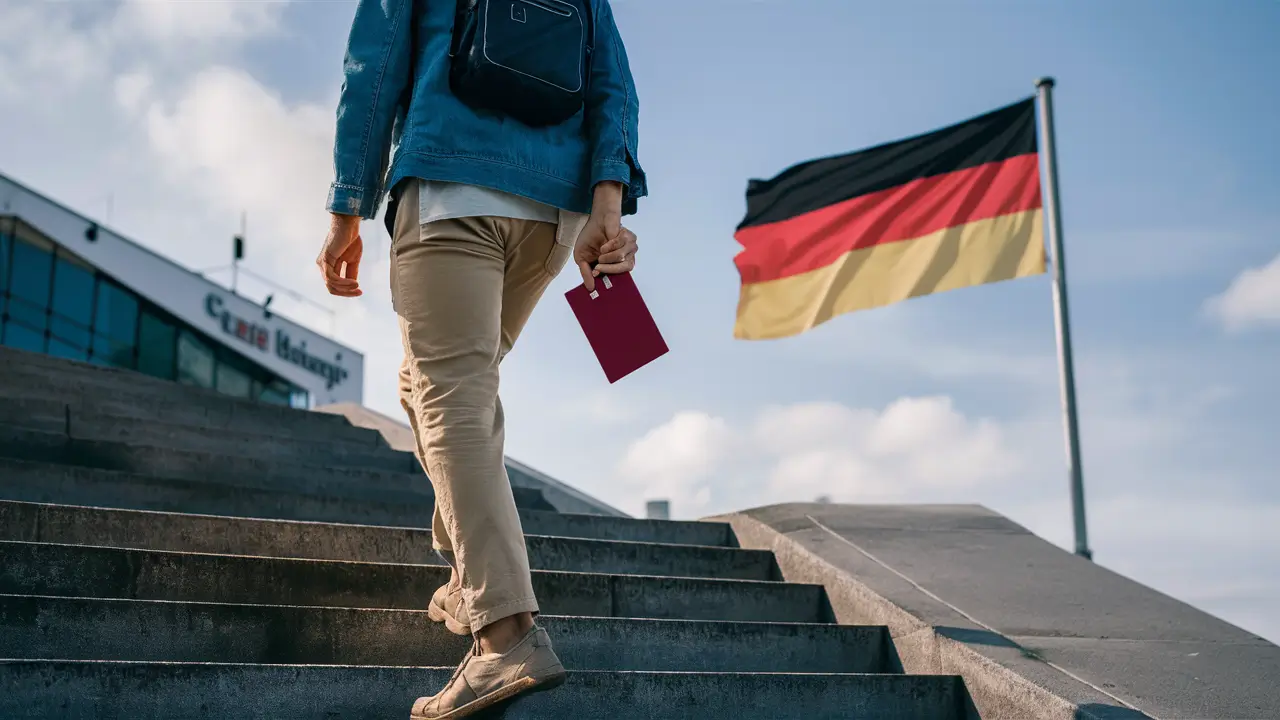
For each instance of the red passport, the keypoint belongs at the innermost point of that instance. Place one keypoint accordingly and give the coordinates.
(618, 325)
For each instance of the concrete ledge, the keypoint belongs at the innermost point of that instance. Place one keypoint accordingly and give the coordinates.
(33, 627)
(1036, 632)
(182, 532)
(69, 690)
(79, 571)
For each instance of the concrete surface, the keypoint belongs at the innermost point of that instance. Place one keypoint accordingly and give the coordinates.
(307, 477)
(101, 629)
(83, 690)
(73, 570)
(145, 397)
(151, 622)
(38, 482)
(398, 435)
(74, 525)
(1035, 631)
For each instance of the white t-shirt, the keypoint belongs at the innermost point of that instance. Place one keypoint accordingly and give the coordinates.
(438, 200)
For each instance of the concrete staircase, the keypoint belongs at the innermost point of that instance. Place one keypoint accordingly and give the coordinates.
(166, 552)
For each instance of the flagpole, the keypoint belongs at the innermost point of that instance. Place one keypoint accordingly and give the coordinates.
(1062, 323)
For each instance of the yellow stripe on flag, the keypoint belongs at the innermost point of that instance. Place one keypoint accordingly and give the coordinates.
(976, 253)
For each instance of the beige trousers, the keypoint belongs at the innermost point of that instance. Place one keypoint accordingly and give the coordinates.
(463, 290)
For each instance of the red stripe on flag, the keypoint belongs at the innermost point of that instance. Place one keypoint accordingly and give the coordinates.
(817, 239)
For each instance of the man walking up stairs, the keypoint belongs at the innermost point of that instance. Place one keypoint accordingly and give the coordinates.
(168, 552)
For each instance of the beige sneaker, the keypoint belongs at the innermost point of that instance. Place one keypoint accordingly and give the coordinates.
(447, 607)
(482, 681)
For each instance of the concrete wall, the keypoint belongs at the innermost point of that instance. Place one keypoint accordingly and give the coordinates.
(1036, 632)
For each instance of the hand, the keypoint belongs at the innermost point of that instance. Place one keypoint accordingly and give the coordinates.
(603, 241)
(339, 259)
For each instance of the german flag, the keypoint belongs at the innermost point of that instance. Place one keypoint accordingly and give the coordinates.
(948, 209)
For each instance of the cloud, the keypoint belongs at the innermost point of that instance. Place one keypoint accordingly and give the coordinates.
(678, 459)
(172, 21)
(42, 50)
(56, 52)
(1251, 300)
(241, 147)
(911, 448)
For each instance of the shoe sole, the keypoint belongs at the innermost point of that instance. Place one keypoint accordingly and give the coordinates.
(437, 613)
(526, 685)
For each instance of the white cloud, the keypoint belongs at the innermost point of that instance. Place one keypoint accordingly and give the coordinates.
(132, 91)
(677, 460)
(912, 448)
(184, 21)
(1251, 300)
(238, 145)
(43, 52)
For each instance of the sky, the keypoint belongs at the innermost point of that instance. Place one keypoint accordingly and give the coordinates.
(166, 120)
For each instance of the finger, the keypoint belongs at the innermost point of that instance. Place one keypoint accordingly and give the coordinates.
(333, 280)
(619, 267)
(351, 290)
(588, 278)
(626, 251)
(352, 258)
(619, 255)
(614, 244)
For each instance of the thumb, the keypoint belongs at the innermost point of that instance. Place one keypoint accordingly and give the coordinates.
(612, 225)
(587, 278)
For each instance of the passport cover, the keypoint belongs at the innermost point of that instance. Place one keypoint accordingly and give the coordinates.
(618, 325)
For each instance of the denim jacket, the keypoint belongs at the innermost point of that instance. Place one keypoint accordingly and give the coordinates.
(396, 93)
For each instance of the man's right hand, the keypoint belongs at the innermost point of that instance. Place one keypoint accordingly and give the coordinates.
(604, 246)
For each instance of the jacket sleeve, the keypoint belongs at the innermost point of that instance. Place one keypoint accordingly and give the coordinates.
(612, 111)
(376, 73)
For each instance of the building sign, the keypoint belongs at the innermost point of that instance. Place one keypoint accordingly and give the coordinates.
(286, 349)
(238, 328)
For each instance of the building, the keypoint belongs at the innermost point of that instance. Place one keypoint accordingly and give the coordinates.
(72, 288)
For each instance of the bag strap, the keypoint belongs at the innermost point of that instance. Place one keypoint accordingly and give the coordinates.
(460, 11)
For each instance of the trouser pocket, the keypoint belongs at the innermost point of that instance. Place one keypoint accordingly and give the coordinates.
(567, 230)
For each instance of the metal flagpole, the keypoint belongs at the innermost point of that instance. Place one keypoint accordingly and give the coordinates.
(1053, 219)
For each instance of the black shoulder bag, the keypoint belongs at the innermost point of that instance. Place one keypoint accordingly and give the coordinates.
(527, 59)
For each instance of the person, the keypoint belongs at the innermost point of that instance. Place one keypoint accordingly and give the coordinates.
(484, 212)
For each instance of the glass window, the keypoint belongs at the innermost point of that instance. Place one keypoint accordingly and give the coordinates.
(29, 314)
(73, 291)
(107, 351)
(156, 341)
(195, 361)
(31, 274)
(68, 331)
(233, 382)
(116, 315)
(4, 266)
(23, 338)
(64, 350)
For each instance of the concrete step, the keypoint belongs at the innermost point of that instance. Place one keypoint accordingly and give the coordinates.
(58, 416)
(267, 420)
(133, 394)
(226, 469)
(82, 571)
(97, 629)
(70, 690)
(74, 525)
(36, 482)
